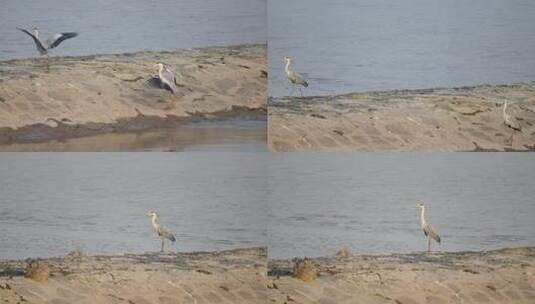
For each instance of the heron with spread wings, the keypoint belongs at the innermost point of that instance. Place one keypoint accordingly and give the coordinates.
(427, 229)
(50, 43)
(162, 231)
(167, 76)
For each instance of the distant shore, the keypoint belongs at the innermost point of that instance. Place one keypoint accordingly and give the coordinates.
(499, 276)
(443, 119)
(88, 95)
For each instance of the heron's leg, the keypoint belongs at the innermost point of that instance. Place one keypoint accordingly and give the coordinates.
(301, 91)
(428, 244)
(162, 245)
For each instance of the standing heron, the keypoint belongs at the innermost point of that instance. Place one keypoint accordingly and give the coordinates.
(167, 77)
(428, 230)
(295, 78)
(50, 43)
(162, 231)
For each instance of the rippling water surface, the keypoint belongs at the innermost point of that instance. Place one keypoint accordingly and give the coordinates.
(297, 203)
(52, 203)
(347, 45)
(367, 202)
(115, 26)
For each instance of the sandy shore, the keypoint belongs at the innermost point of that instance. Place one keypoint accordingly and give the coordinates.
(501, 276)
(234, 276)
(455, 119)
(79, 96)
(246, 276)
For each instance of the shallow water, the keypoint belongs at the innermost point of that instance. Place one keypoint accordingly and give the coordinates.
(114, 26)
(346, 46)
(228, 135)
(367, 202)
(55, 202)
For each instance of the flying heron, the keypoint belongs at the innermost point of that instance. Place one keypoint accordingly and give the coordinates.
(167, 77)
(428, 230)
(50, 43)
(295, 78)
(162, 231)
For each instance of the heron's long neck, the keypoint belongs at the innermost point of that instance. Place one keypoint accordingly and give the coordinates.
(422, 217)
(155, 222)
(287, 67)
(160, 70)
(36, 33)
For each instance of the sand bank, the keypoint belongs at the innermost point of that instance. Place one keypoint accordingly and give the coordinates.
(234, 276)
(246, 276)
(501, 276)
(79, 96)
(454, 119)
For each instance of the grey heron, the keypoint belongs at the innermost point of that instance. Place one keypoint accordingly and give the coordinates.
(50, 43)
(162, 231)
(428, 230)
(167, 76)
(295, 78)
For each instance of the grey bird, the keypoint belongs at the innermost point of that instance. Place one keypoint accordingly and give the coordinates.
(167, 76)
(428, 230)
(162, 231)
(295, 78)
(50, 43)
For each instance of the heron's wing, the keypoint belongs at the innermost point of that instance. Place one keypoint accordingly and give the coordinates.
(38, 43)
(166, 233)
(431, 232)
(55, 40)
(299, 79)
(169, 70)
(168, 77)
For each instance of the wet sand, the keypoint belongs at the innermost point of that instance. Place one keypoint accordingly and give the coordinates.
(451, 119)
(501, 276)
(233, 276)
(214, 135)
(82, 96)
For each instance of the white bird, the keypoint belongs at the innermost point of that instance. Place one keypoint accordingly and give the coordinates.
(428, 230)
(166, 76)
(162, 231)
(50, 43)
(295, 78)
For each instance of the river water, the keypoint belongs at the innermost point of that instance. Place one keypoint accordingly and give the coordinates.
(299, 204)
(322, 202)
(52, 203)
(345, 45)
(115, 26)
(239, 135)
